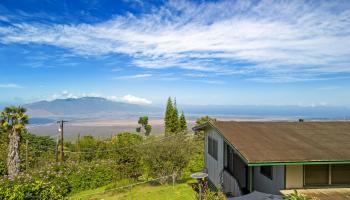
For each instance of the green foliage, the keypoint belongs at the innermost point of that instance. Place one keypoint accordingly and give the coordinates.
(148, 129)
(296, 196)
(43, 184)
(210, 195)
(3, 168)
(87, 144)
(167, 157)
(89, 175)
(182, 123)
(13, 118)
(128, 160)
(18, 190)
(168, 117)
(173, 123)
(143, 122)
(201, 121)
(175, 119)
(196, 162)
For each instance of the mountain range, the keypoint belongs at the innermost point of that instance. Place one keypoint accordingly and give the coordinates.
(86, 107)
(97, 107)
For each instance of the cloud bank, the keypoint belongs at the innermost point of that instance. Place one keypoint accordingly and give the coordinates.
(267, 40)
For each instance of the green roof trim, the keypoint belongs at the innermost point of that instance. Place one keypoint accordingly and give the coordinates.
(316, 162)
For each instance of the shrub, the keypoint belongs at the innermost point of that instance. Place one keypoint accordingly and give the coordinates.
(25, 187)
(296, 196)
(90, 175)
(3, 168)
(167, 157)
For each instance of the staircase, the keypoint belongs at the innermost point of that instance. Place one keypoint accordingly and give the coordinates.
(229, 184)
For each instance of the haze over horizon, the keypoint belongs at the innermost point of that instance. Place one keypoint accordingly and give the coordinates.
(203, 53)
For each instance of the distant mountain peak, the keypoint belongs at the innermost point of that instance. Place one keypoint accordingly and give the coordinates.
(86, 106)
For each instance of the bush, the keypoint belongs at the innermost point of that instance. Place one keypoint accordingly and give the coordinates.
(167, 157)
(24, 187)
(3, 168)
(90, 175)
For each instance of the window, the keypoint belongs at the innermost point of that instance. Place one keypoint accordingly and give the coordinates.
(340, 174)
(213, 148)
(316, 174)
(229, 159)
(266, 171)
(337, 174)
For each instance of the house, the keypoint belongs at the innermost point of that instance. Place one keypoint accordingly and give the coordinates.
(272, 157)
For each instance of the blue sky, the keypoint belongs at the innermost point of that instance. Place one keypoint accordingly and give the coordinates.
(202, 52)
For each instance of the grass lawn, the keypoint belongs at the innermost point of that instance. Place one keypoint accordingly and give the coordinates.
(144, 192)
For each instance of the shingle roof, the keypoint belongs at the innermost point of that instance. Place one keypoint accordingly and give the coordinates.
(267, 142)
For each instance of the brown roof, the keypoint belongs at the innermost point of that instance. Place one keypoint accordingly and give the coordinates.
(266, 142)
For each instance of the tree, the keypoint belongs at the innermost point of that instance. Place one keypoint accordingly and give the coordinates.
(143, 122)
(167, 157)
(172, 120)
(168, 116)
(175, 119)
(88, 145)
(127, 154)
(182, 123)
(203, 120)
(148, 129)
(13, 120)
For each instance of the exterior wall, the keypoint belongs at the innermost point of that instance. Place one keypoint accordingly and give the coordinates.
(266, 185)
(294, 176)
(214, 167)
(240, 171)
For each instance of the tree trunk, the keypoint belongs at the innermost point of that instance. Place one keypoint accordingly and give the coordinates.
(13, 160)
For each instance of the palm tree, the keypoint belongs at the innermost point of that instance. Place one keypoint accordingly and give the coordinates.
(13, 119)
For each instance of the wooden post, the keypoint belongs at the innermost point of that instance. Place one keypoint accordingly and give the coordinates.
(56, 150)
(27, 155)
(130, 192)
(174, 181)
(62, 142)
(61, 122)
(250, 168)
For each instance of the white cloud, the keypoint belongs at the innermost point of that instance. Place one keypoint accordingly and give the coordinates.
(127, 98)
(63, 95)
(10, 85)
(135, 100)
(271, 38)
(136, 76)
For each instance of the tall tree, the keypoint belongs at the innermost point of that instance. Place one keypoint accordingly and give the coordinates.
(182, 123)
(168, 116)
(13, 120)
(175, 119)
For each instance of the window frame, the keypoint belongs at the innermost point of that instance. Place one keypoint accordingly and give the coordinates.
(267, 175)
(213, 147)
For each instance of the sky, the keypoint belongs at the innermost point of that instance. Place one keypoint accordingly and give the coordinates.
(201, 52)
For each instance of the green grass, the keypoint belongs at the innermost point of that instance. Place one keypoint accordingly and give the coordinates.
(181, 191)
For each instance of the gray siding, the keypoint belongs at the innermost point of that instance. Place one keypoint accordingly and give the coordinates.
(214, 167)
(266, 185)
